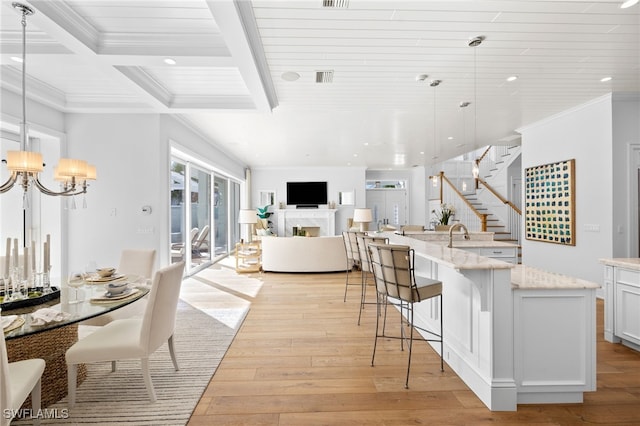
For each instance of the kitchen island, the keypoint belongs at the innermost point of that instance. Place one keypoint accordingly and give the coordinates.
(513, 334)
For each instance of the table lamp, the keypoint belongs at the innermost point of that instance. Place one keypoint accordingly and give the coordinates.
(248, 217)
(362, 216)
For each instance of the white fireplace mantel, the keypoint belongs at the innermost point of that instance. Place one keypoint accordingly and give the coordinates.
(325, 219)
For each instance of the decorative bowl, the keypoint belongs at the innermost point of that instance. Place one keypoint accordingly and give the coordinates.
(105, 272)
(116, 288)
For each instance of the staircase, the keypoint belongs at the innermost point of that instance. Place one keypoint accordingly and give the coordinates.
(494, 224)
(503, 217)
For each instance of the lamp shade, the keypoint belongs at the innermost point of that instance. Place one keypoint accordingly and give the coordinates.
(24, 161)
(247, 216)
(362, 215)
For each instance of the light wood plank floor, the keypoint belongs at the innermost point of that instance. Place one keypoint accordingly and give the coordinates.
(301, 359)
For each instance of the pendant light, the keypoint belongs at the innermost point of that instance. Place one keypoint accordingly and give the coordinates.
(434, 84)
(475, 42)
(25, 165)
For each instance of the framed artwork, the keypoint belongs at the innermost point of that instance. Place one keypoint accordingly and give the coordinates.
(550, 203)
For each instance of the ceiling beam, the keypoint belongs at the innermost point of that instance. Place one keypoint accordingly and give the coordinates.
(238, 26)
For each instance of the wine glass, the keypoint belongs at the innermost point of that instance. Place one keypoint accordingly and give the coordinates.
(90, 268)
(75, 281)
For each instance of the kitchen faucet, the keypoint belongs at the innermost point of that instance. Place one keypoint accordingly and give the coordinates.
(453, 228)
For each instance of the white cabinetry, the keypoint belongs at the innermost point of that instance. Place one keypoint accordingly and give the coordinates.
(506, 254)
(627, 306)
(622, 303)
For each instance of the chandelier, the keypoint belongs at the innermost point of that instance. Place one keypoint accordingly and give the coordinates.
(25, 165)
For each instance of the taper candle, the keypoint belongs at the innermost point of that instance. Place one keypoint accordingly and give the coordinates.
(16, 255)
(33, 256)
(48, 263)
(25, 263)
(45, 255)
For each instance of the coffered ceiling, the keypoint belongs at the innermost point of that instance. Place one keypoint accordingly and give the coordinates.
(236, 63)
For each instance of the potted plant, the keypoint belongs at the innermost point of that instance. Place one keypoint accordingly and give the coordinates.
(443, 216)
(263, 214)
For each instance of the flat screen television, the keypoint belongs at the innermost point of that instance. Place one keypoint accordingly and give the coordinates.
(306, 194)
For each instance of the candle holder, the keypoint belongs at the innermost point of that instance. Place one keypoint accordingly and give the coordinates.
(46, 283)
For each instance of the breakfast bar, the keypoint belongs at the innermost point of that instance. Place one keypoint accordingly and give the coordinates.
(512, 333)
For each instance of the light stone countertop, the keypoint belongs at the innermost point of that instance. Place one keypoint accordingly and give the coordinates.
(452, 257)
(632, 263)
(529, 278)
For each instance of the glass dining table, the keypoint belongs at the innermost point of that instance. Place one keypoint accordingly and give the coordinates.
(50, 341)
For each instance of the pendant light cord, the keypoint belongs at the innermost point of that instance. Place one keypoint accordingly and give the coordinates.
(23, 146)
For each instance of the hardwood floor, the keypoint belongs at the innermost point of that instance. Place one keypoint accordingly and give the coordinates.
(301, 359)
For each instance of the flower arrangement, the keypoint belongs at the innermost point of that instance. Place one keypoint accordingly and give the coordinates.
(445, 213)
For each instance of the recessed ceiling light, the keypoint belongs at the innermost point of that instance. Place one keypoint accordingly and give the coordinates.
(450, 138)
(355, 155)
(421, 152)
(290, 76)
(366, 144)
(422, 77)
(169, 61)
(628, 3)
(16, 59)
(348, 164)
(512, 78)
(605, 79)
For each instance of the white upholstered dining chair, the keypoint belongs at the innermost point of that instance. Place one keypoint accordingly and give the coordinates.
(133, 338)
(17, 380)
(135, 263)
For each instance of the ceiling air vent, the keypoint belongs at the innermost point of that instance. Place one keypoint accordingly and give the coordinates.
(324, 76)
(337, 4)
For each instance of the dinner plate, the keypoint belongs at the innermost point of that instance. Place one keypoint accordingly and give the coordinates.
(99, 279)
(120, 295)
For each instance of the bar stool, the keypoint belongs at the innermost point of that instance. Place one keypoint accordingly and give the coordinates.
(365, 265)
(353, 257)
(395, 277)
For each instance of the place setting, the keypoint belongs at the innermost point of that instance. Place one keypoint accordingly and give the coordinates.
(118, 289)
(104, 275)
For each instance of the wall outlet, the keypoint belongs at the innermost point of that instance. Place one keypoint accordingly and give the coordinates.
(591, 227)
(147, 230)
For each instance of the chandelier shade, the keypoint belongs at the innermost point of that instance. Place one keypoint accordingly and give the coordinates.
(24, 161)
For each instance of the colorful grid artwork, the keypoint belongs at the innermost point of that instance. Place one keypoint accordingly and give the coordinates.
(550, 203)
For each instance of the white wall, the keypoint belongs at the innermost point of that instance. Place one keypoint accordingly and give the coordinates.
(132, 155)
(585, 134)
(338, 179)
(126, 151)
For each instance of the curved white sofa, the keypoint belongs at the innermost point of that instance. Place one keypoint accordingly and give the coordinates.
(303, 254)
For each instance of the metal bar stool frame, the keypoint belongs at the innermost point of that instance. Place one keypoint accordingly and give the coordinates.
(393, 270)
(353, 258)
(365, 266)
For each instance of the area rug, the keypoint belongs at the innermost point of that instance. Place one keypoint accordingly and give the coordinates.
(107, 398)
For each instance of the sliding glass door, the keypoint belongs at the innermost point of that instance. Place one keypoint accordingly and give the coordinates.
(204, 214)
